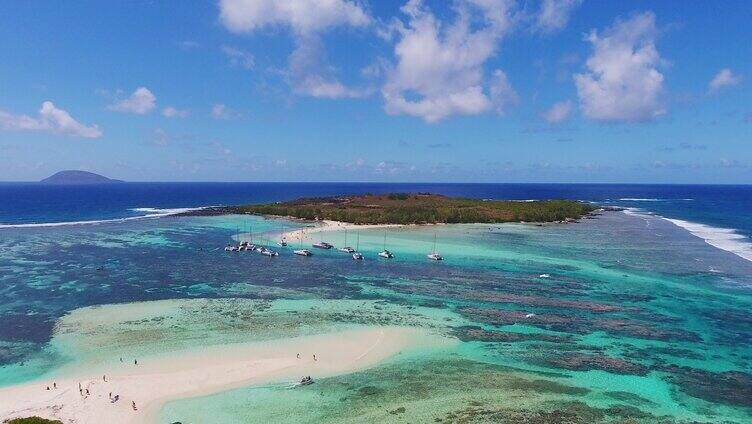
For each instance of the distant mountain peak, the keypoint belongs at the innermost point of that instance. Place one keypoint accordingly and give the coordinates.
(78, 177)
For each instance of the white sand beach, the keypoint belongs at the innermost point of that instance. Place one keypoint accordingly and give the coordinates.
(307, 234)
(159, 379)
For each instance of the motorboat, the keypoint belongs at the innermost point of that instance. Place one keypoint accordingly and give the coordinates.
(305, 381)
(357, 256)
(303, 252)
(322, 245)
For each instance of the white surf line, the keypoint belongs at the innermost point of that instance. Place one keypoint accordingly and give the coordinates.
(722, 238)
(726, 239)
(162, 213)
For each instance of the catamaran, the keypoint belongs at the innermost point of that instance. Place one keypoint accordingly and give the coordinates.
(300, 251)
(357, 255)
(269, 252)
(434, 255)
(346, 249)
(385, 253)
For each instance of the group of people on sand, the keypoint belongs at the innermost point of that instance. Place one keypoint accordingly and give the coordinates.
(314, 356)
(85, 390)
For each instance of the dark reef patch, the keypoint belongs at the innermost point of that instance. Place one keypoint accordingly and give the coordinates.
(586, 362)
(730, 387)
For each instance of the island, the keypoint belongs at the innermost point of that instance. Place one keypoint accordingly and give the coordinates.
(78, 177)
(413, 208)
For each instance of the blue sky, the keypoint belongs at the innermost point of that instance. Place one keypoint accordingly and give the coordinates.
(345, 90)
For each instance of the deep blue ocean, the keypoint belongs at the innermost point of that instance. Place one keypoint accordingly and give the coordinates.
(722, 206)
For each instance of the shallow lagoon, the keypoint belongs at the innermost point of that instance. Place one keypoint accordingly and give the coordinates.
(636, 319)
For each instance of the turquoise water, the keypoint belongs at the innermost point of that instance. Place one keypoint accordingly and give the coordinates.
(616, 318)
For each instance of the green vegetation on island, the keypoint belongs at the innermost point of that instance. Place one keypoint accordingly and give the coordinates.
(421, 208)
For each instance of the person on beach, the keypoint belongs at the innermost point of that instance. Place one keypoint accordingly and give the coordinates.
(48, 388)
(54, 385)
(110, 396)
(133, 404)
(121, 359)
(87, 392)
(104, 378)
(314, 356)
(298, 356)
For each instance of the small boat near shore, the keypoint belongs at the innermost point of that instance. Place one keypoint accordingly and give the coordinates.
(269, 252)
(434, 255)
(355, 254)
(385, 253)
(346, 249)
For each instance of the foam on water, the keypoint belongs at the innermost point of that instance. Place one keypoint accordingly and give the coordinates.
(723, 238)
(149, 213)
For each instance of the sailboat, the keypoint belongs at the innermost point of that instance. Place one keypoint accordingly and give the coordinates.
(434, 255)
(322, 244)
(300, 251)
(357, 255)
(346, 249)
(385, 253)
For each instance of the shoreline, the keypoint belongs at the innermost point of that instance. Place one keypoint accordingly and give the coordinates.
(160, 379)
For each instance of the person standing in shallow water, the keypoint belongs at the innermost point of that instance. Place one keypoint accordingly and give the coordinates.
(135, 362)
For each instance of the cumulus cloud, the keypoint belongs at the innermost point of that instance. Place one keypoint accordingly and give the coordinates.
(173, 112)
(238, 57)
(723, 79)
(439, 69)
(140, 102)
(221, 111)
(50, 119)
(559, 112)
(622, 82)
(554, 14)
(307, 72)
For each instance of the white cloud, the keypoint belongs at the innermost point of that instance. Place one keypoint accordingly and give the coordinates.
(307, 71)
(723, 79)
(622, 82)
(501, 91)
(303, 16)
(554, 14)
(50, 119)
(559, 112)
(439, 69)
(172, 112)
(239, 57)
(140, 102)
(309, 76)
(221, 111)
